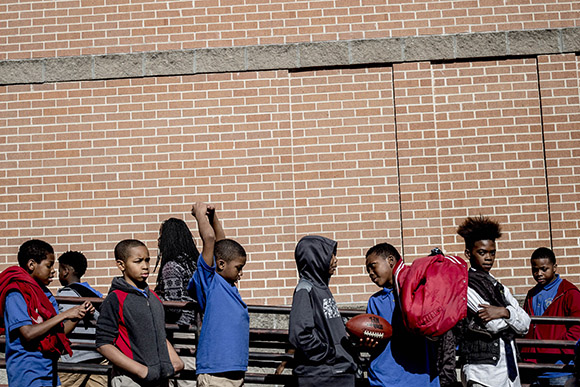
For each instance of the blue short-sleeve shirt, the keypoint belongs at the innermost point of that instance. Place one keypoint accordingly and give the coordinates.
(407, 360)
(225, 333)
(24, 366)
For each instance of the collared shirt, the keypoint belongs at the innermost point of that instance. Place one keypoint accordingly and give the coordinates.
(25, 367)
(489, 374)
(545, 296)
(407, 360)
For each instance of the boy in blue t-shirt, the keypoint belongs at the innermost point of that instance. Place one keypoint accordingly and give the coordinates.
(35, 332)
(407, 360)
(223, 348)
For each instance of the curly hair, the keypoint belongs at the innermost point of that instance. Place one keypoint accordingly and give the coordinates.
(544, 252)
(76, 260)
(175, 243)
(478, 229)
(34, 249)
(384, 250)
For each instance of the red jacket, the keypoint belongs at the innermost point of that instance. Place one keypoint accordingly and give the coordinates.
(566, 303)
(432, 293)
(39, 306)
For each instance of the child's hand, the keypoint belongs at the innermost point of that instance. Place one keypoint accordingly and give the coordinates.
(368, 342)
(488, 312)
(89, 307)
(77, 312)
(199, 210)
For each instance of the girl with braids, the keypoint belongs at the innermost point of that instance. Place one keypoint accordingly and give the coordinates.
(494, 317)
(177, 257)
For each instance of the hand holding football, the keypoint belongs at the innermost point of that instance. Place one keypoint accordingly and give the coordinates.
(370, 326)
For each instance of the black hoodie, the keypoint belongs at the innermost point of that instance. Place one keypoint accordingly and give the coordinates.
(316, 327)
(135, 324)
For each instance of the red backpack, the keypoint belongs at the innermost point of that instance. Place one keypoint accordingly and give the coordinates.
(432, 293)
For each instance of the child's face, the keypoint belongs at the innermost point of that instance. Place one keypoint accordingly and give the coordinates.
(333, 265)
(42, 272)
(136, 267)
(380, 270)
(543, 270)
(482, 255)
(231, 271)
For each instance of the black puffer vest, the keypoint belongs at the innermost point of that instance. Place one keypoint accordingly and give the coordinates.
(478, 346)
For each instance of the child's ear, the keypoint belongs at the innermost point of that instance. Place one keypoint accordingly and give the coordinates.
(468, 253)
(120, 264)
(220, 264)
(31, 265)
(391, 261)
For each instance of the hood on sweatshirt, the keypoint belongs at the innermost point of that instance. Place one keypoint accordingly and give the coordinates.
(313, 254)
(119, 283)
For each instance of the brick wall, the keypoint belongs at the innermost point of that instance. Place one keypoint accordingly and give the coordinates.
(39, 29)
(364, 141)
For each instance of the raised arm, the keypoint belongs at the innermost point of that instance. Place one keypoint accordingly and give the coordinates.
(201, 211)
(216, 224)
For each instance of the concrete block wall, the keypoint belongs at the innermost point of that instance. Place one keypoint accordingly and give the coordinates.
(362, 122)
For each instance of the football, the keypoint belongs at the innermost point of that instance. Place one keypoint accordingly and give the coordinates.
(369, 325)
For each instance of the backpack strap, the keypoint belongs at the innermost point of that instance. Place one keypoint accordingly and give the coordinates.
(82, 290)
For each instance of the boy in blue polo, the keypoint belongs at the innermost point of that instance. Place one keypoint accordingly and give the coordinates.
(407, 360)
(35, 331)
(223, 349)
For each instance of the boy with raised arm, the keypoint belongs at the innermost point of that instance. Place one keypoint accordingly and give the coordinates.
(35, 331)
(223, 348)
(131, 327)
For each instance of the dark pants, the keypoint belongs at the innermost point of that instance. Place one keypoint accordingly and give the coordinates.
(343, 380)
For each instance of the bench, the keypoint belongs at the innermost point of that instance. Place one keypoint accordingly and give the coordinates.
(269, 346)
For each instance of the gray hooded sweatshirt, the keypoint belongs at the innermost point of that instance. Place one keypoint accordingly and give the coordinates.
(316, 328)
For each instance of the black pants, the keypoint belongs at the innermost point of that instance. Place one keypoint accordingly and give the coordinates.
(342, 380)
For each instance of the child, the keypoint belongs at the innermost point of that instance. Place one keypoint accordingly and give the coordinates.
(35, 331)
(494, 317)
(72, 265)
(407, 360)
(177, 263)
(131, 327)
(223, 349)
(177, 255)
(316, 328)
(552, 296)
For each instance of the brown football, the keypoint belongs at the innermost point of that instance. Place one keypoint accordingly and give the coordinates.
(369, 325)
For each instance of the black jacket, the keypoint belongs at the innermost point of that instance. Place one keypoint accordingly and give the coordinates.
(316, 328)
(135, 324)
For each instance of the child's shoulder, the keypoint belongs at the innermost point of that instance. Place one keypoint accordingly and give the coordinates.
(303, 285)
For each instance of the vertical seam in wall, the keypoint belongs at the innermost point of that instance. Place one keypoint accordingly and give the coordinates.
(544, 153)
(290, 104)
(436, 127)
(397, 160)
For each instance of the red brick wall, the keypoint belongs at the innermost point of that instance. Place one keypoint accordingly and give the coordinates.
(39, 29)
(86, 164)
